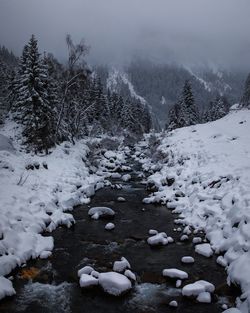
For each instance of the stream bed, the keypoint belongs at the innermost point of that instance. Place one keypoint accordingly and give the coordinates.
(54, 286)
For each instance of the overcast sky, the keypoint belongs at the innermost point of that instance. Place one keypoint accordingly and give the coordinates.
(186, 31)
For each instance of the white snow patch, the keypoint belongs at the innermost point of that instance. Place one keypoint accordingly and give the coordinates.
(97, 212)
(174, 273)
(204, 249)
(114, 283)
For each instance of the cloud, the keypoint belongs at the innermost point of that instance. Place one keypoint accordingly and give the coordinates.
(187, 31)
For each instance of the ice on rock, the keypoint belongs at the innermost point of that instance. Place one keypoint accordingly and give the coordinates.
(126, 177)
(109, 226)
(6, 288)
(85, 270)
(158, 239)
(97, 212)
(204, 249)
(130, 275)
(174, 273)
(114, 283)
(204, 297)
(187, 259)
(88, 281)
(173, 303)
(121, 199)
(196, 288)
(121, 266)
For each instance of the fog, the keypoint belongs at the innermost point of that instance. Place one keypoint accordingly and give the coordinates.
(185, 31)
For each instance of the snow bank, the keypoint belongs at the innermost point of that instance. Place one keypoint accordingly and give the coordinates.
(208, 166)
(34, 195)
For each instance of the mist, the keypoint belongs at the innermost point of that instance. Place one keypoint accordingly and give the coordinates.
(193, 32)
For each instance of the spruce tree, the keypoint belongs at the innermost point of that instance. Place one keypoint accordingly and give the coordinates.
(245, 100)
(188, 107)
(33, 107)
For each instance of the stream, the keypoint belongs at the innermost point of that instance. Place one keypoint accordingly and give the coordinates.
(55, 286)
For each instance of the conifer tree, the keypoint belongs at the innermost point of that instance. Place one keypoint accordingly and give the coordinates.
(33, 107)
(245, 100)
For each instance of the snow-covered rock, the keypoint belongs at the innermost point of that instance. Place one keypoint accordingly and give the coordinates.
(121, 266)
(130, 275)
(126, 177)
(187, 259)
(174, 273)
(88, 281)
(204, 297)
(6, 288)
(109, 226)
(173, 303)
(121, 199)
(204, 249)
(158, 239)
(85, 270)
(196, 288)
(114, 283)
(97, 212)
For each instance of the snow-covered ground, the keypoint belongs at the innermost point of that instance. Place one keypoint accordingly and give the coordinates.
(202, 172)
(37, 192)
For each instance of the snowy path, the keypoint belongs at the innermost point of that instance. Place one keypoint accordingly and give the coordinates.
(55, 287)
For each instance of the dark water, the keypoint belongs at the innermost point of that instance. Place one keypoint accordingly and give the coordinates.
(56, 288)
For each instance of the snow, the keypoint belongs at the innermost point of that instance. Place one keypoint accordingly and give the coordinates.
(85, 270)
(126, 177)
(173, 303)
(174, 273)
(221, 260)
(158, 239)
(114, 283)
(196, 288)
(6, 288)
(204, 249)
(109, 226)
(204, 297)
(153, 232)
(38, 189)
(121, 199)
(210, 164)
(97, 212)
(116, 76)
(88, 281)
(197, 240)
(130, 275)
(187, 259)
(121, 266)
(232, 310)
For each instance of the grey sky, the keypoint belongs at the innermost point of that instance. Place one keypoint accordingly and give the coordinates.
(187, 31)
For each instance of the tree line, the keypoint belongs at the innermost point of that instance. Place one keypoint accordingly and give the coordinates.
(54, 102)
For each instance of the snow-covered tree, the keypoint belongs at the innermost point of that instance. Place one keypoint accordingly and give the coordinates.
(216, 109)
(34, 106)
(245, 100)
(185, 112)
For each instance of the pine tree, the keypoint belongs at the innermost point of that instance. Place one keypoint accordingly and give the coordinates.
(245, 100)
(216, 109)
(33, 107)
(190, 111)
(184, 113)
